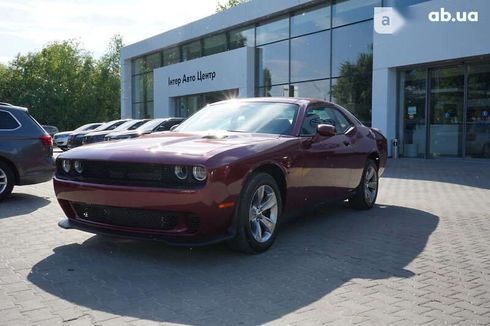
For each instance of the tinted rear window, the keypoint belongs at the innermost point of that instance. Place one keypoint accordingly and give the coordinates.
(7, 121)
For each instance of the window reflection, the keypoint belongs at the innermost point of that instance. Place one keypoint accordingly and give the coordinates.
(191, 51)
(350, 46)
(215, 44)
(353, 92)
(273, 64)
(412, 105)
(242, 37)
(138, 65)
(477, 117)
(273, 31)
(153, 61)
(314, 89)
(350, 11)
(138, 110)
(171, 56)
(402, 3)
(185, 106)
(138, 88)
(275, 91)
(311, 20)
(149, 86)
(310, 57)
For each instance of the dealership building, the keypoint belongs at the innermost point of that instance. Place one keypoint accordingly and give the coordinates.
(417, 70)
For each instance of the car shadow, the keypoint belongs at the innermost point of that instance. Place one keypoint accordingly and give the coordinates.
(312, 257)
(20, 204)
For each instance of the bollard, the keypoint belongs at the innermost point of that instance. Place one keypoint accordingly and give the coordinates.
(395, 149)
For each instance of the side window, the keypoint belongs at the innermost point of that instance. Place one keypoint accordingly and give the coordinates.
(7, 121)
(165, 126)
(324, 115)
(342, 124)
(314, 117)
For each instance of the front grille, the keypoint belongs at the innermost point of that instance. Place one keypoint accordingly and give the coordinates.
(136, 218)
(129, 174)
(193, 223)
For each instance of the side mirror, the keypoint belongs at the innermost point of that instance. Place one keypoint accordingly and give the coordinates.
(326, 130)
(173, 127)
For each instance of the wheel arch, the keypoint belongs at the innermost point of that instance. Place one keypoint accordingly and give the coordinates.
(376, 158)
(13, 167)
(277, 173)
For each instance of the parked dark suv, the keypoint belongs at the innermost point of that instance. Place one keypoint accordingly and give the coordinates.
(26, 150)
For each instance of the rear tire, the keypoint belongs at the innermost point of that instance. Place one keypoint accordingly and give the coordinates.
(257, 215)
(6, 180)
(367, 191)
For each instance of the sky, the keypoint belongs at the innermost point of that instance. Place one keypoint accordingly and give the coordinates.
(27, 25)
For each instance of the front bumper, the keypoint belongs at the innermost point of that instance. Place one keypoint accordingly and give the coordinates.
(69, 224)
(61, 142)
(214, 223)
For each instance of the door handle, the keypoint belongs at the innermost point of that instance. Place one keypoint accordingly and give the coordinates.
(346, 143)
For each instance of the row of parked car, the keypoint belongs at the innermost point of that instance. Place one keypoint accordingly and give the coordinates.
(112, 130)
(26, 147)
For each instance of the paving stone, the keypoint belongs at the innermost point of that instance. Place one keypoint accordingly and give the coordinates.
(420, 257)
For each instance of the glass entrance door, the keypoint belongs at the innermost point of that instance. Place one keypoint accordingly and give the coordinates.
(413, 96)
(446, 104)
(477, 116)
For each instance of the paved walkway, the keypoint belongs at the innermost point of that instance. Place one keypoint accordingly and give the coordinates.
(422, 256)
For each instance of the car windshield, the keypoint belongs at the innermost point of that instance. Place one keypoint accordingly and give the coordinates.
(111, 125)
(253, 117)
(150, 125)
(89, 126)
(130, 125)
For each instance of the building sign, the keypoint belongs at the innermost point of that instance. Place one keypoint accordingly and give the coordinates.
(199, 76)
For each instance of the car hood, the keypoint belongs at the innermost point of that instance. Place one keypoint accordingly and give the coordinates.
(180, 148)
(125, 133)
(98, 133)
(80, 133)
(64, 133)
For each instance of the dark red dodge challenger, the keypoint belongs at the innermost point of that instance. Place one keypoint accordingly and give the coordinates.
(230, 172)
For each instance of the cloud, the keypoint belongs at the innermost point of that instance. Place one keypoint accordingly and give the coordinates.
(92, 22)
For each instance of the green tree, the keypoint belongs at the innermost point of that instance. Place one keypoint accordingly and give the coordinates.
(228, 4)
(107, 81)
(353, 89)
(64, 85)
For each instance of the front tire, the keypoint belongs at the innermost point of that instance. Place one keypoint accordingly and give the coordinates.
(6, 180)
(367, 191)
(257, 214)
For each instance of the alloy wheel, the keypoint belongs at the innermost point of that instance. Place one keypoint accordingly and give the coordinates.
(370, 185)
(263, 213)
(3, 181)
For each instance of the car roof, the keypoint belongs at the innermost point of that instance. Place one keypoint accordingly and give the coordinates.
(291, 100)
(7, 106)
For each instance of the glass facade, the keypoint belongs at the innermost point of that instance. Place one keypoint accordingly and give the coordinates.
(322, 51)
(142, 85)
(308, 65)
(444, 111)
(185, 106)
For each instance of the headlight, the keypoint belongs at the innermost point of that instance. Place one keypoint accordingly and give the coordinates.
(66, 166)
(78, 165)
(200, 173)
(181, 172)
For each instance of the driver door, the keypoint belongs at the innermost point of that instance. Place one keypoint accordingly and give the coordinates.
(326, 172)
